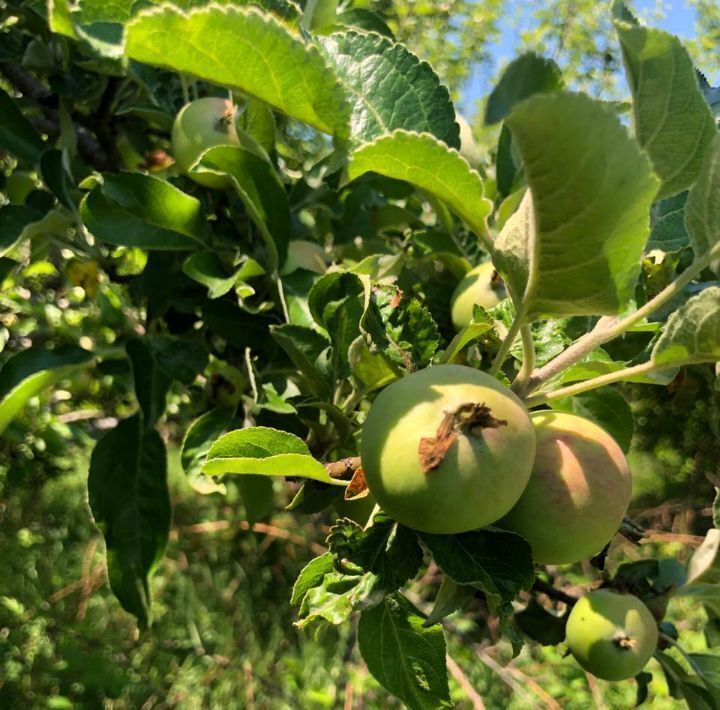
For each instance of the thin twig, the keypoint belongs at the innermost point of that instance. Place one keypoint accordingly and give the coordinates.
(462, 680)
(264, 529)
(557, 594)
(344, 468)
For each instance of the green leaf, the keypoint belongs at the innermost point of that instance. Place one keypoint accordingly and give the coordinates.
(258, 122)
(692, 333)
(180, 358)
(406, 658)
(669, 233)
(370, 370)
(129, 500)
(574, 245)
(708, 668)
(307, 349)
(264, 451)
(702, 209)
(527, 75)
(336, 598)
(495, 561)
(361, 19)
(28, 373)
(704, 567)
(337, 302)
(389, 550)
(389, 88)
(14, 221)
(151, 384)
(17, 135)
(400, 328)
(607, 408)
(429, 165)
(56, 177)
(541, 625)
(245, 50)
(467, 335)
(205, 268)
(197, 442)
(672, 121)
(136, 210)
(261, 190)
(320, 16)
(311, 576)
(450, 598)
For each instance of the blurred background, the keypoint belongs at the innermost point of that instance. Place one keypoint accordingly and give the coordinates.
(223, 635)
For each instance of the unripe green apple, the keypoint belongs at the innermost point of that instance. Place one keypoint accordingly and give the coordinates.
(578, 493)
(477, 287)
(611, 635)
(202, 124)
(447, 449)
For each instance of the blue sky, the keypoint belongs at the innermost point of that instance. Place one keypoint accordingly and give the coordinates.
(679, 18)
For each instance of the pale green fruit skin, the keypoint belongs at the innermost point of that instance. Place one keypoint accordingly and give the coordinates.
(594, 624)
(474, 288)
(480, 478)
(200, 125)
(578, 493)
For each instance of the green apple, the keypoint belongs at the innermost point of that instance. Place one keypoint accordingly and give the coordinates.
(489, 440)
(578, 493)
(200, 125)
(479, 286)
(611, 635)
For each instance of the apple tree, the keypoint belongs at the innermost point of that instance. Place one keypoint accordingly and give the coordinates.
(296, 264)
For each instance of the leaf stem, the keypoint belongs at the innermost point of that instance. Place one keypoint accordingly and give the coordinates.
(506, 344)
(594, 383)
(609, 328)
(528, 363)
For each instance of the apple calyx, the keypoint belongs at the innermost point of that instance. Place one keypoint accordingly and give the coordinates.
(625, 642)
(469, 418)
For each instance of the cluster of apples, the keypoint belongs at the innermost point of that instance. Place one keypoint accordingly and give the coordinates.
(450, 449)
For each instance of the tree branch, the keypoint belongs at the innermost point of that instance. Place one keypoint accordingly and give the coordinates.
(557, 594)
(96, 153)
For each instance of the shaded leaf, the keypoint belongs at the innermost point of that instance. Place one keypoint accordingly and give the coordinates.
(426, 163)
(128, 496)
(527, 75)
(29, 372)
(406, 658)
(574, 245)
(136, 210)
(672, 120)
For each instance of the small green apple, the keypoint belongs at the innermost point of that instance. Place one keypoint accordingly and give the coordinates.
(200, 125)
(447, 449)
(578, 493)
(479, 286)
(611, 635)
